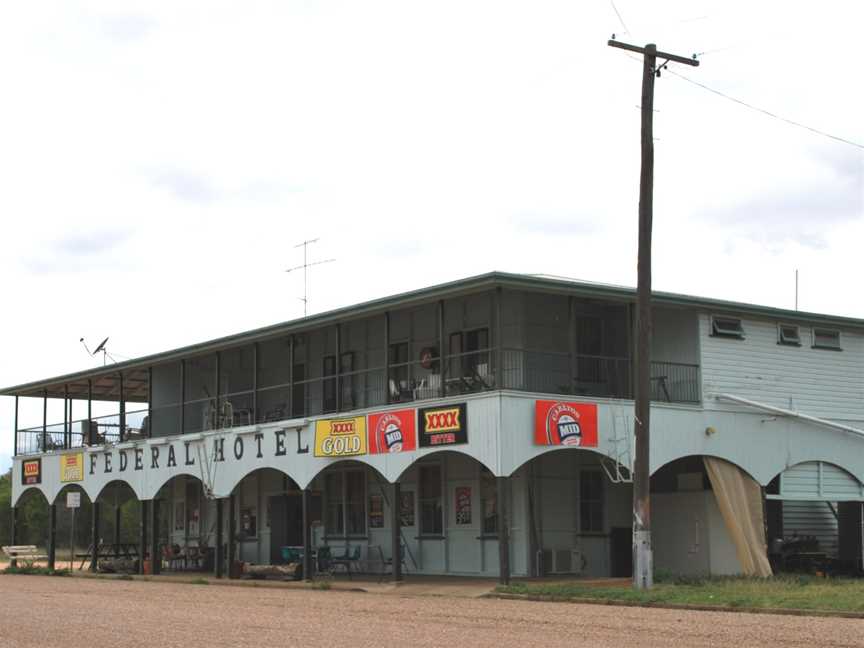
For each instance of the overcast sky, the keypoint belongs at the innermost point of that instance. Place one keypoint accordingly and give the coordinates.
(159, 161)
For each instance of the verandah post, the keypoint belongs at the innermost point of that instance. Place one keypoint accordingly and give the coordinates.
(503, 531)
(143, 538)
(94, 536)
(155, 554)
(52, 535)
(396, 529)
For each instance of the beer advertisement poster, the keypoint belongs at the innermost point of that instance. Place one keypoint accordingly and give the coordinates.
(463, 505)
(406, 508)
(392, 432)
(343, 437)
(443, 425)
(567, 424)
(31, 472)
(72, 467)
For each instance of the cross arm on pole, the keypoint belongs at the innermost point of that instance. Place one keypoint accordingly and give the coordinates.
(664, 55)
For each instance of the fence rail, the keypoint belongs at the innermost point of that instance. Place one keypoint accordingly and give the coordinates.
(406, 382)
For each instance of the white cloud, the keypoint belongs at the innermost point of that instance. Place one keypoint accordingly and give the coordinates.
(161, 161)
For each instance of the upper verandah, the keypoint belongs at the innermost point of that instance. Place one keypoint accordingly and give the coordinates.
(106, 387)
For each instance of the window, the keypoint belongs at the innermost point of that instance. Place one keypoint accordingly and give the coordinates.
(355, 502)
(727, 327)
(347, 396)
(590, 501)
(400, 372)
(826, 339)
(489, 502)
(329, 369)
(431, 504)
(346, 503)
(788, 334)
(333, 524)
(298, 391)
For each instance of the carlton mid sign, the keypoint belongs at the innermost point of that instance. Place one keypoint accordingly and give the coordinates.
(392, 432)
(568, 424)
(443, 426)
(344, 437)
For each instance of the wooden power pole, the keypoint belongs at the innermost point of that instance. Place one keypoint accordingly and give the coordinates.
(643, 555)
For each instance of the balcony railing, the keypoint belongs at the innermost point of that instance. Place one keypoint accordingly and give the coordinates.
(408, 382)
(77, 434)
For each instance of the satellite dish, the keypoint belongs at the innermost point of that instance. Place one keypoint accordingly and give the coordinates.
(101, 346)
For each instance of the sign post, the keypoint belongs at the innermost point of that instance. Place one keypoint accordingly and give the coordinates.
(73, 501)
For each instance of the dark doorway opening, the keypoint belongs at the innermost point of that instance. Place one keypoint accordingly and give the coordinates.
(286, 525)
(621, 541)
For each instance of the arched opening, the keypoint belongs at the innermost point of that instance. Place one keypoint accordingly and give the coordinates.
(73, 528)
(578, 516)
(31, 521)
(185, 525)
(119, 537)
(815, 512)
(350, 518)
(707, 517)
(268, 518)
(448, 513)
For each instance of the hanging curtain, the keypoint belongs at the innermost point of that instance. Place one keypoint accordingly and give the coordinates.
(739, 498)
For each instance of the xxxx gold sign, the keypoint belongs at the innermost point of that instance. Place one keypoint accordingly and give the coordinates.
(443, 425)
(72, 467)
(343, 437)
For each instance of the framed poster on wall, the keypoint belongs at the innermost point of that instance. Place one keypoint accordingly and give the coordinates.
(180, 516)
(376, 512)
(463, 505)
(406, 508)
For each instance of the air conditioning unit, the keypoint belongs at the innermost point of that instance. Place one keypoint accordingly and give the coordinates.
(562, 561)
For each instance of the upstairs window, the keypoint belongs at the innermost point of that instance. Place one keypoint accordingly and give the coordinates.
(727, 327)
(826, 339)
(788, 334)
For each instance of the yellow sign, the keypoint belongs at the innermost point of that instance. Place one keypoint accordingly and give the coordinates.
(72, 467)
(340, 437)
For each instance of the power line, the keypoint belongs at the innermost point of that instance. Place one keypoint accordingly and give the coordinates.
(767, 112)
(620, 19)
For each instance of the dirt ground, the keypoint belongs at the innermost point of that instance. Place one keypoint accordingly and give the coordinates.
(42, 611)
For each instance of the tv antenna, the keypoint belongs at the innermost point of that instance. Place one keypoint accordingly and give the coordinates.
(305, 267)
(103, 348)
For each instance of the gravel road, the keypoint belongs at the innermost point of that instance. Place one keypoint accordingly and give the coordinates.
(39, 611)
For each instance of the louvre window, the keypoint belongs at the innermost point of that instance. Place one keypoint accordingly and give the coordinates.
(431, 502)
(727, 327)
(788, 334)
(826, 339)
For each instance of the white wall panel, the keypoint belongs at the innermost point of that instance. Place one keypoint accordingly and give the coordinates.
(819, 382)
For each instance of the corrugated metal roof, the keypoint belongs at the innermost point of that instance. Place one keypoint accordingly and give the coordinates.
(462, 286)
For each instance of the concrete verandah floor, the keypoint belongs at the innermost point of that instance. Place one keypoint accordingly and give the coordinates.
(412, 585)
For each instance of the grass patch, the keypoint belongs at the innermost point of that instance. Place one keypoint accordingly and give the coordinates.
(322, 584)
(788, 592)
(199, 581)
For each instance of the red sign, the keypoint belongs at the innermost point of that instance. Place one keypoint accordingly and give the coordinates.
(392, 432)
(31, 472)
(569, 424)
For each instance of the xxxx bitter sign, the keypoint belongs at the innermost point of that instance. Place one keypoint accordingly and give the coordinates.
(443, 426)
(343, 437)
(31, 472)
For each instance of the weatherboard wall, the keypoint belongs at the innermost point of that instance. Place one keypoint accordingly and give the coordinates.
(819, 382)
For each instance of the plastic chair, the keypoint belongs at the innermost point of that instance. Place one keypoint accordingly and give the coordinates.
(385, 562)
